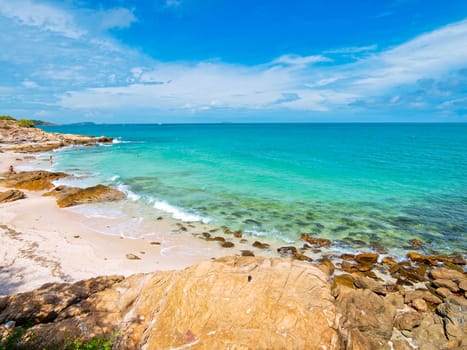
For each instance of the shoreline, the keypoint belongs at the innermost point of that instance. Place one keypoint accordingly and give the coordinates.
(43, 243)
(162, 243)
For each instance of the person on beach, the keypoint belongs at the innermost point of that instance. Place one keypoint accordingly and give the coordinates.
(51, 161)
(11, 170)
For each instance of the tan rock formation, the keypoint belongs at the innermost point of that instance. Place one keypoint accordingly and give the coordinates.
(236, 303)
(25, 140)
(70, 196)
(37, 180)
(11, 196)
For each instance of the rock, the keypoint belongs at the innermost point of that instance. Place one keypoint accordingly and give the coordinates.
(449, 284)
(70, 196)
(328, 263)
(388, 261)
(420, 258)
(302, 257)
(415, 243)
(130, 256)
(443, 292)
(444, 273)
(407, 320)
(289, 250)
(454, 313)
(368, 283)
(11, 196)
(429, 335)
(420, 305)
(238, 234)
(409, 296)
(46, 303)
(247, 253)
(366, 258)
(396, 299)
(259, 245)
(344, 280)
(227, 244)
(36, 180)
(25, 140)
(318, 242)
(348, 257)
(366, 319)
(219, 239)
(463, 285)
(206, 235)
(230, 303)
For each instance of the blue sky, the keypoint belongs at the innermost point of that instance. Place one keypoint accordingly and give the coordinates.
(236, 61)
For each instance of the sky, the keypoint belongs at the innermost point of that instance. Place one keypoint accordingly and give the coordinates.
(177, 61)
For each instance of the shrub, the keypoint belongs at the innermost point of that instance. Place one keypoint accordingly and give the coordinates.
(25, 123)
(6, 117)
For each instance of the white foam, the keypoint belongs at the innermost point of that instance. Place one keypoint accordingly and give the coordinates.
(178, 213)
(130, 195)
(119, 140)
(114, 178)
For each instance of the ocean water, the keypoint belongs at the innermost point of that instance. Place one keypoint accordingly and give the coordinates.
(364, 186)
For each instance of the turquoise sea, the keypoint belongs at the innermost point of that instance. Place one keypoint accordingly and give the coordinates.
(364, 186)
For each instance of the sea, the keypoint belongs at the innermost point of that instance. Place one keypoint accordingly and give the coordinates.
(365, 186)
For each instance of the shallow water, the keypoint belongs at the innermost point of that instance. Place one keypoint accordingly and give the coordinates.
(361, 185)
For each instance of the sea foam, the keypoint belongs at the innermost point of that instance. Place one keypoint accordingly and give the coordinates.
(178, 213)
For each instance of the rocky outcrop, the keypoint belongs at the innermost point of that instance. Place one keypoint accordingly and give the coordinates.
(11, 196)
(37, 180)
(25, 140)
(238, 303)
(70, 196)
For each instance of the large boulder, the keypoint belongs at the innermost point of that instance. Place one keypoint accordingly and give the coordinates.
(234, 302)
(70, 196)
(36, 180)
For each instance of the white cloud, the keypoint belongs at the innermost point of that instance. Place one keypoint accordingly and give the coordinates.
(43, 16)
(30, 84)
(300, 60)
(84, 69)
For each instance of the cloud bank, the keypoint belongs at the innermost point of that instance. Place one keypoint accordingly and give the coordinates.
(63, 60)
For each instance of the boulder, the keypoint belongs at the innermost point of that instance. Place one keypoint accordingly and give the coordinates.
(454, 314)
(315, 241)
(70, 196)
(366, 258)
(11, 196)
(229, 303)
(408, 320)
(367, 319)
(37, 180)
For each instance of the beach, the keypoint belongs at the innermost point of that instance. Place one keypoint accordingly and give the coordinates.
(43, 243)
(90, 263)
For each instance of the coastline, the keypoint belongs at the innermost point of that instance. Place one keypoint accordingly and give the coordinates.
(43, 243)
(194, 282)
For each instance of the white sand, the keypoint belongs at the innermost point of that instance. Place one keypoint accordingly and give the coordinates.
(41, 243)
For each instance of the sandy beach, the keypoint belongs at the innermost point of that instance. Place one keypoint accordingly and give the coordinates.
(42, 243)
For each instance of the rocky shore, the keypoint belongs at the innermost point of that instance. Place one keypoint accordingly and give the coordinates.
(301, 299)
